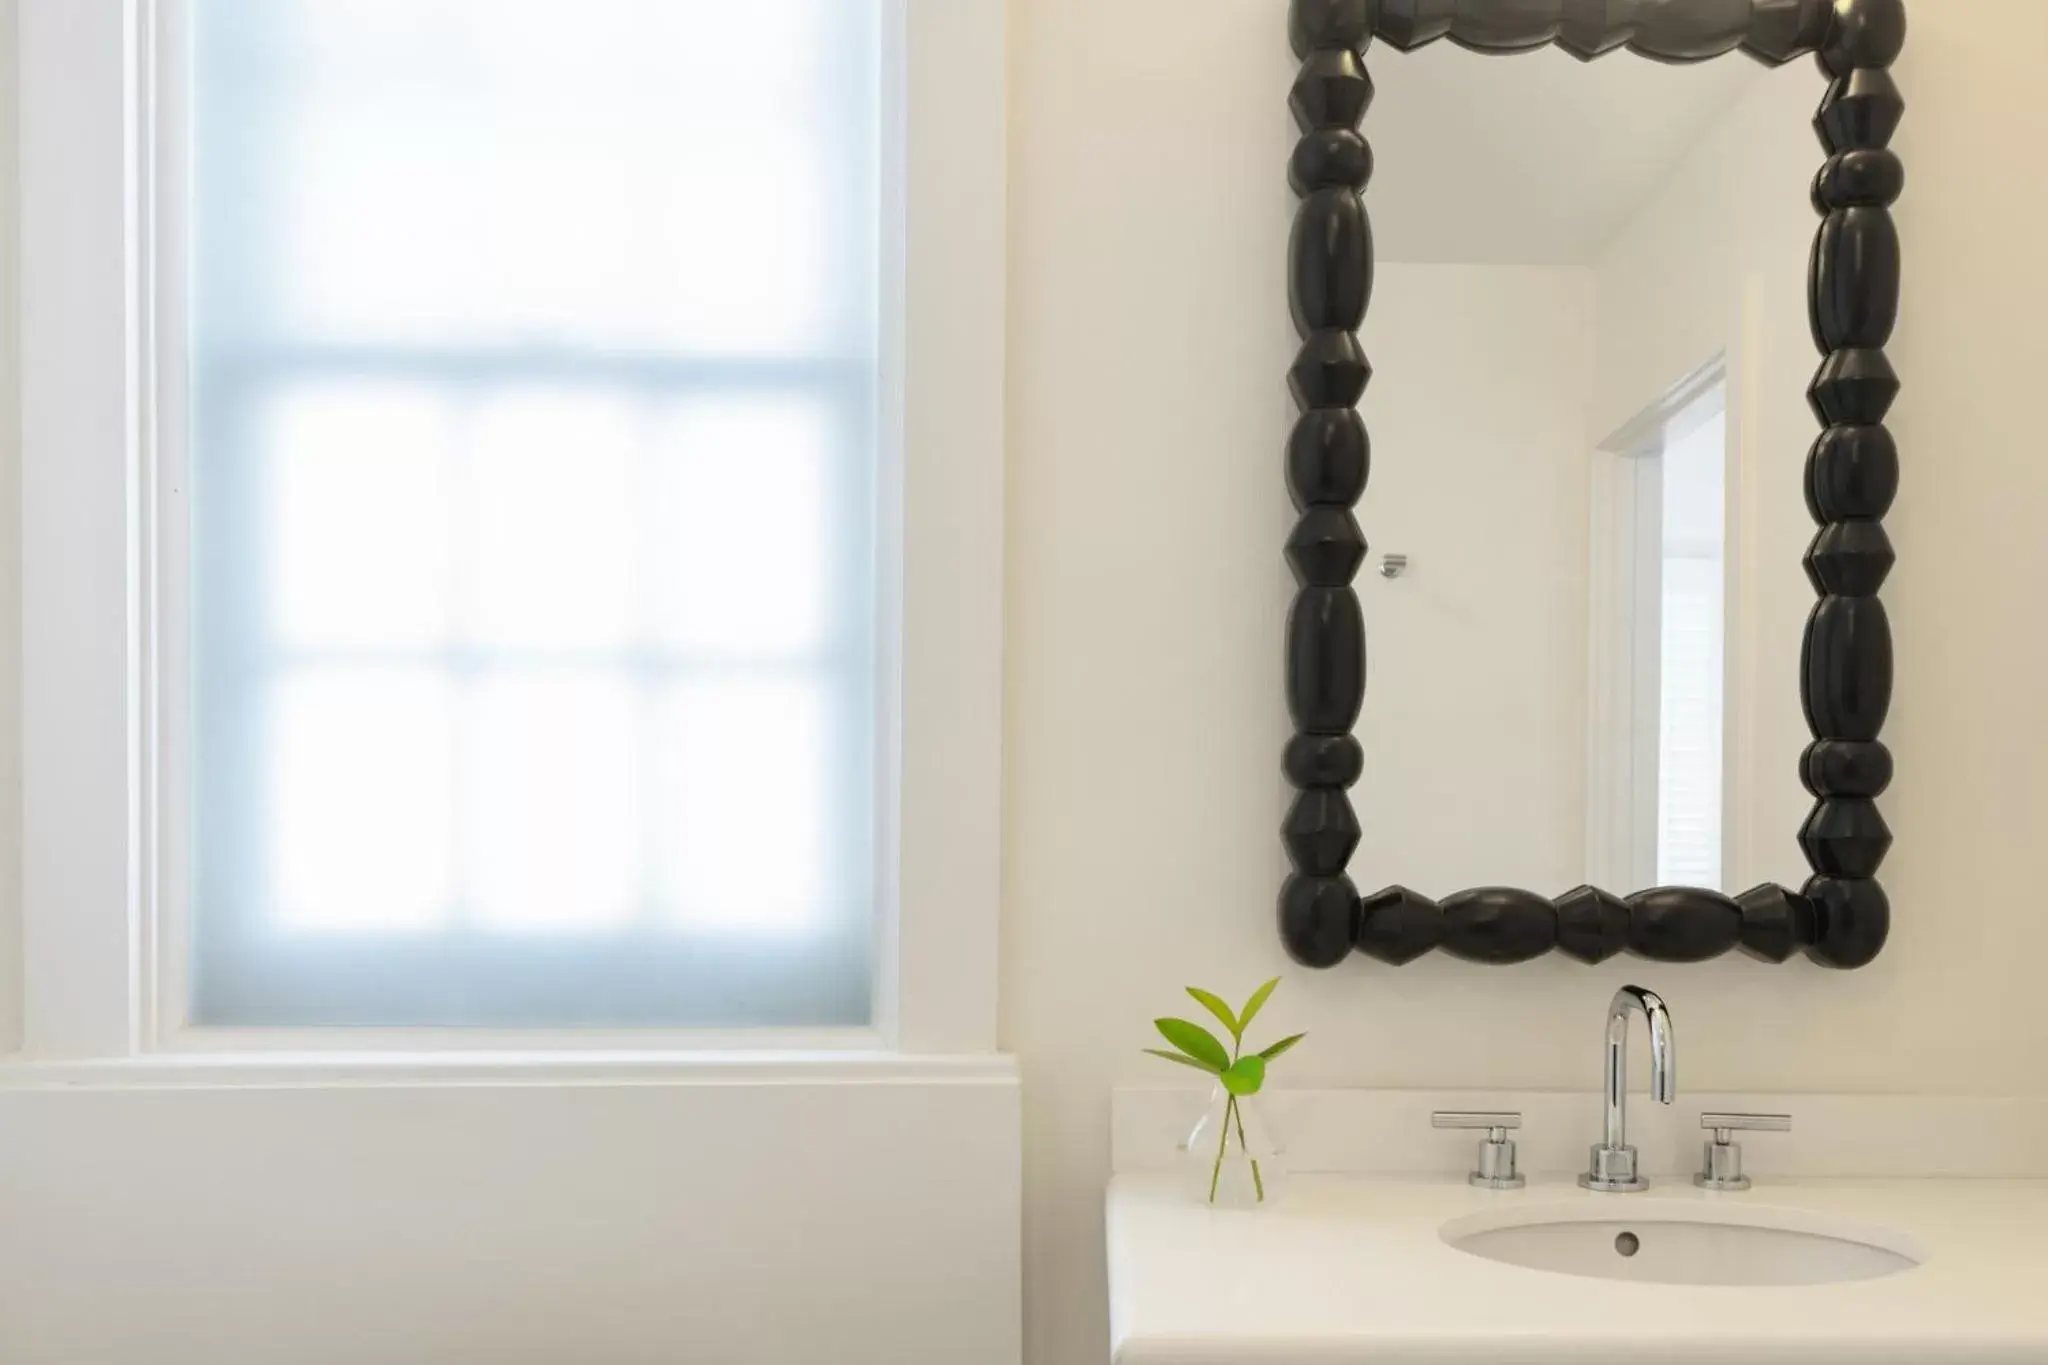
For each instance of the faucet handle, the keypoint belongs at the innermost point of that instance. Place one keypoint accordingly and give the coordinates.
(1496, 1168)
(1721, 1168)
(1458, 1118)
(1723, 1124)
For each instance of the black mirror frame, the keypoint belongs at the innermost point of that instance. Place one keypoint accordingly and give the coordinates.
(1840, 918)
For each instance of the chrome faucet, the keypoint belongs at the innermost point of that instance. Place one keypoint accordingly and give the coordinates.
(1613, 1169)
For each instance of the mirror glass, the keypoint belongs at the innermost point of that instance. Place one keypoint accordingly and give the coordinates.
(1589, 428)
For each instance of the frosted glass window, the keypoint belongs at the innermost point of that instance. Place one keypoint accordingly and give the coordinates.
(533, 388)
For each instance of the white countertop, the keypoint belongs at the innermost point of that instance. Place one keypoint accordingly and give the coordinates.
(1352, 1268)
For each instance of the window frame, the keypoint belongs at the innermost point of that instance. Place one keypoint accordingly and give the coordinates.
(101, 976)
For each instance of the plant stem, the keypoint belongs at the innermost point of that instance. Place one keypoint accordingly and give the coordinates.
(1257, 1183)
(1215, 1175)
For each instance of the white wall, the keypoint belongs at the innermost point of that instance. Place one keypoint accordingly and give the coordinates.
(1716, 262)
(1477, 417)
(778, 1222)
(1144, 711)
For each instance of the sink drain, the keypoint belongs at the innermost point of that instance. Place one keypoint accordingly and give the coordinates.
(1627, 1243)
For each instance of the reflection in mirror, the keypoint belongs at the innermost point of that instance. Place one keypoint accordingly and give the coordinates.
(1669, 639)
(1588, 420)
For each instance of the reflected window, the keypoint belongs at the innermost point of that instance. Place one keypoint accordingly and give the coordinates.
(1660, 655)
(1692, 555)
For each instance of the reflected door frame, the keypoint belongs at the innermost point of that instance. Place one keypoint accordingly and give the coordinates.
(1624, 577)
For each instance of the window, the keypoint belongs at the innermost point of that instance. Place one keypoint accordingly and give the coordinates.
(123, 543)
(532, 366)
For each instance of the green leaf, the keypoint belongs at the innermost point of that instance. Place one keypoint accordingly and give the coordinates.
(1255, 1004)
(1285, 1043)
(1196, 1041)
(1245, 1076)
(1184, 1061)
(1214, 1004)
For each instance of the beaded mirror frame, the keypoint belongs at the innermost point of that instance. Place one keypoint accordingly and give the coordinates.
(1840, 917)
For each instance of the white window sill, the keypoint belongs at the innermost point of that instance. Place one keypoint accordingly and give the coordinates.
(721, 1066)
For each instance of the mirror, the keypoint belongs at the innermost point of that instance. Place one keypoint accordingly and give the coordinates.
(1575, 263)
(1595, 291)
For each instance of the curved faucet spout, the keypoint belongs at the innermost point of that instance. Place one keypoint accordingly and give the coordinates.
(1663, 1056)
(1613, 1166)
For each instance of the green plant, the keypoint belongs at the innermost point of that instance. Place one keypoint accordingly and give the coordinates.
(1242, 1074)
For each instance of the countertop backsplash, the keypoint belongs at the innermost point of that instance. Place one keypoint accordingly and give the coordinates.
(1387, 1132)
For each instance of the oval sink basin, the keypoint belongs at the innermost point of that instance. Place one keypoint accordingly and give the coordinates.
(1677, 1242)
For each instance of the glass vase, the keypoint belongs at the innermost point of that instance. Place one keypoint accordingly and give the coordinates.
(1231, 1160)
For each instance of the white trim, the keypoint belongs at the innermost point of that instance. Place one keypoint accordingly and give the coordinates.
(767, 1063)
(1743, 837)
(1642, 661)
(79, 447)
(89, 604)
(10, 558)
(163, 533)
(1610, 542)
(940, 968)
(196, 1042)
